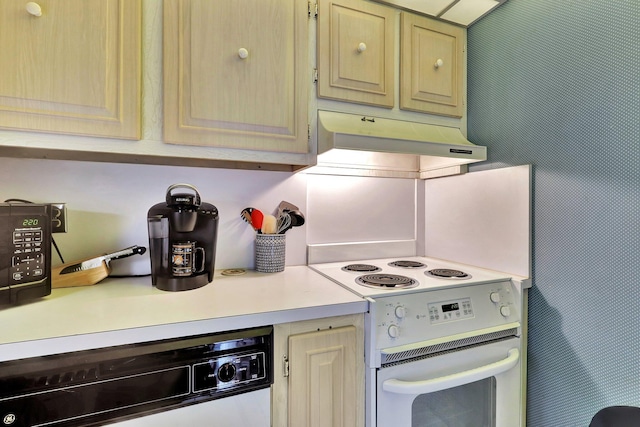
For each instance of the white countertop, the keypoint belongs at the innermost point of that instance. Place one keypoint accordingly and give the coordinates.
(129, 310)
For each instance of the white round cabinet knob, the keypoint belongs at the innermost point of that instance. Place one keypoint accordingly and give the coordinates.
(394, 331)
(362, 47)
(439, 63)
(243, 53)
(34, 8)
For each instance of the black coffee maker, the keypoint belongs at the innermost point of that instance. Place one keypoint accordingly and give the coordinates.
(183, 233)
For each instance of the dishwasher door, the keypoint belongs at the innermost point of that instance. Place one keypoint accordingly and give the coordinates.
(213, 379)
(251, 409)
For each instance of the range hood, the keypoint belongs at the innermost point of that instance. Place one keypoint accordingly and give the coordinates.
(351, 144)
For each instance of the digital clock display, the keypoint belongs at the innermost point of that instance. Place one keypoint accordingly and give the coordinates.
(450, 307)
(30, 222)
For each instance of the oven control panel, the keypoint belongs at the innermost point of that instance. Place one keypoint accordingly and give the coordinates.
(450, 311)
(410, 318)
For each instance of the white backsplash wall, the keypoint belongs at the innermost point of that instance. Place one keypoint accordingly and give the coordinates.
(345, 209)
(107, 205)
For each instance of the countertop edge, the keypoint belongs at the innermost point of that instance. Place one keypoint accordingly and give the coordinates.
(64, 344)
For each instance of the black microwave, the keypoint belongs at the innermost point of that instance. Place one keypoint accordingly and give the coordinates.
(25, 252)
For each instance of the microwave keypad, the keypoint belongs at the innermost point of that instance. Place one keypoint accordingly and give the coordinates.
(28, 260)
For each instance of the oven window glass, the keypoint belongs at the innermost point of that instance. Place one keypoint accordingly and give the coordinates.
(469, 405)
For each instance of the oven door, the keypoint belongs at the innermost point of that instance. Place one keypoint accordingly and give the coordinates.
(473, 387)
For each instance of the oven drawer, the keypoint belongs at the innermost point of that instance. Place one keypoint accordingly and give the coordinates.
(476, 387)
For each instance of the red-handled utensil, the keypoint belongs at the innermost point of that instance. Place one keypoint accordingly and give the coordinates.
(256, 219)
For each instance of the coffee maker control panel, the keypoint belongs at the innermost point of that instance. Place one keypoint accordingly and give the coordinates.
(212, 212)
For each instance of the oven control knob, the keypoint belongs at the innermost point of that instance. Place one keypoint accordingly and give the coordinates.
(495, 296)
(226, 372)
(394, 331)
(401, 312)
(505, 311)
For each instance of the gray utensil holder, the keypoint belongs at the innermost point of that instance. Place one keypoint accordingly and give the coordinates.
(270, 252)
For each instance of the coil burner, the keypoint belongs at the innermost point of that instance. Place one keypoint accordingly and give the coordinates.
(446, 273)
(407, 264)
(361, 268)
(386, 281)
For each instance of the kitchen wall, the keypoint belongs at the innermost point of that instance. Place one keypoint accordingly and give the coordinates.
(556, 84)
(107, 206)
(360, 209)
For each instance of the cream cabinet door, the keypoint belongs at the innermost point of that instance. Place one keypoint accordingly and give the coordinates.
(322, 378)
(74, 69)
(356, 52)
(431, 66)
(236, 74)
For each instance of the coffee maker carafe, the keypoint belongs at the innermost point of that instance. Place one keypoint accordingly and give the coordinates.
(183, 232)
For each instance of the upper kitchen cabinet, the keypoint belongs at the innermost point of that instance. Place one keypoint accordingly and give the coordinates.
(236, 74)
(431, 66)
(71, 67)
(356, 52)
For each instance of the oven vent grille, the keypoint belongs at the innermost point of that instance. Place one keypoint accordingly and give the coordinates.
(390, 359)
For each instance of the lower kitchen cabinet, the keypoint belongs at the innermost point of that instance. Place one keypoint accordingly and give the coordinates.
(321, 382)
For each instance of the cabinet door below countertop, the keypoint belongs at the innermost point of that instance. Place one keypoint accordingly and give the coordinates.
(323, 381)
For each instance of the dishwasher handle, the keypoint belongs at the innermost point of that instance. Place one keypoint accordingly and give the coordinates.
(453, 380)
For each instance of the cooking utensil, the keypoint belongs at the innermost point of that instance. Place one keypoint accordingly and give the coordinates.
(89, 271)
(297, 218)
(284, 205)
(269, 225)
(256, 219)
(246, 216)
(284, 222)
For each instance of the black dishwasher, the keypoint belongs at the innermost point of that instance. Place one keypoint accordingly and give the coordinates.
(105, 385)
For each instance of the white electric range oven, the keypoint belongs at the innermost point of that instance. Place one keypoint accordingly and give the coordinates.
(443, 342)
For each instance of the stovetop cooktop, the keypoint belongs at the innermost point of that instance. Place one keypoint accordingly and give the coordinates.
(387, 276)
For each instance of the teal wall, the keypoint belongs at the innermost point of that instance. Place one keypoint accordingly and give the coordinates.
(557, 84)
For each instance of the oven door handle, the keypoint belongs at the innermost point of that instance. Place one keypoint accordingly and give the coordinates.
(453, 380)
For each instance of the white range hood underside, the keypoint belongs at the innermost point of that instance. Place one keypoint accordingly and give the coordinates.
(461, 12)
(350, 144)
